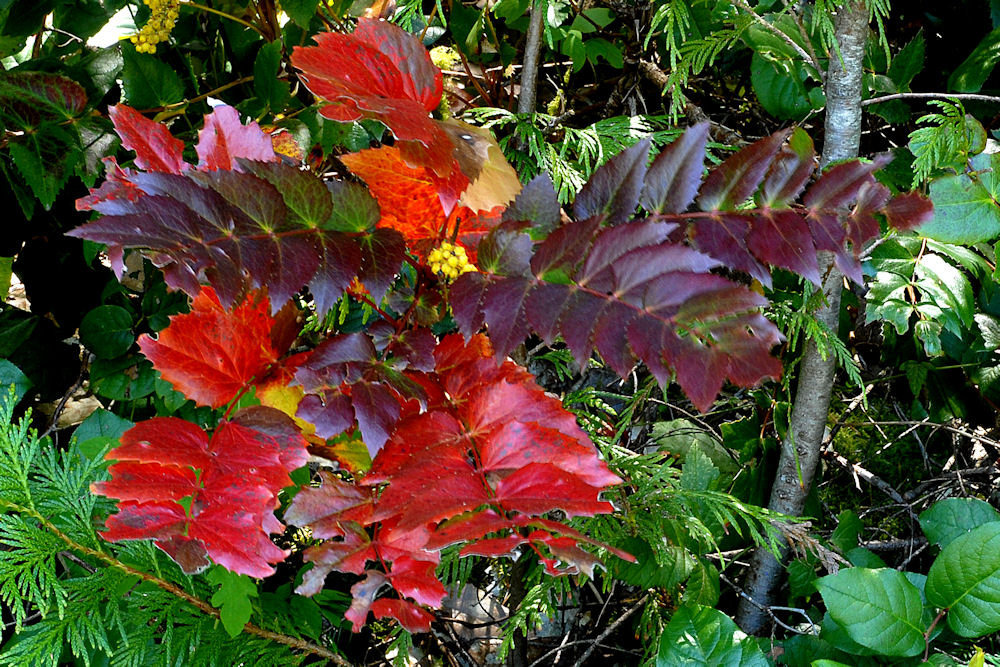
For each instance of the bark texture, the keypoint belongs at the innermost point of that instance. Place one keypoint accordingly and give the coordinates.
(532, 50)
(800, 452)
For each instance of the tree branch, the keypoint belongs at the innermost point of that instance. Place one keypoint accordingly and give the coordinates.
(943, 96)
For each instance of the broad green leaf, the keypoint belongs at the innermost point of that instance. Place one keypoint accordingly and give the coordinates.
(98, 432)
(107, 331)
(6, 271)
(699, 635)
(11, 375)
(907, 63)
(828, 663)
(950, 518)
(272, 91)
(965, 580)
(780, 87)
(879, 609)
(801, 578)
(835, 634)
(147, 81)
(989, 328)
(233, 598)
(698, 472)
(970, 76)
(965, 206)
(845, 536)
(702, 587)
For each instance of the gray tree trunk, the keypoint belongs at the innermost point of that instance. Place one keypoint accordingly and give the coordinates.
(800, 452)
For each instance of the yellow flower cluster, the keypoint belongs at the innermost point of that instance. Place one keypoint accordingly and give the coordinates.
(157, 29)
(450, 261)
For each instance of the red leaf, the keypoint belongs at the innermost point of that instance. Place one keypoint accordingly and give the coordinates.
(223, 139)
(232, 480)
(416, 579)
(330, 506)
(364, 593)
(409, 615)
(349, 554)
(155, 148)
(383, 73)
(211, 354)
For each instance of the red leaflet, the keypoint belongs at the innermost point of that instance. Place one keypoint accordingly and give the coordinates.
(380, 72)
(155, 148)
(229, 480)
(490, 455)
(211, 354)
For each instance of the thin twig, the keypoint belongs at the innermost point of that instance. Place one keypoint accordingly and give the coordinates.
(769, 610)
(611, 628)
(956, 96)
(174, 589)
(54, 420)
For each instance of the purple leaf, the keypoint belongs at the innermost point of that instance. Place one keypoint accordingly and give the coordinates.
(673, 179)
(613, 190)
(735, 180)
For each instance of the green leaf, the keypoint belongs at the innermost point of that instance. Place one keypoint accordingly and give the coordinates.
(97, 432)
(950, 518)
(780, 87)
(908, 63)
(849, 527)
(970, 76)
(702, 587)
(801, 578)
(699, 635)
(271, 90)
(147, 81)
(45, 182)
(965, 580)
(12, 375)
(828, 663)
(107, 331)
(698, 472)
(233, 598)
(600, 47)
(989, 328)
(965, 206)
(300, 11)
(879, 609)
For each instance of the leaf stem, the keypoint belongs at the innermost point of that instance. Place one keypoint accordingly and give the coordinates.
(174, 589)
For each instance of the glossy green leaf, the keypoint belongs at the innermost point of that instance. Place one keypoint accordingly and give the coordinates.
(950, 518)
(704, 636)
(107, 331)
(272, 91)
(965, 206)
(970, 76)
(780, 87)
(147, 81)
(965, 580)
(908, 62)
(879, 609)
(11, 375)
(849, 527)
